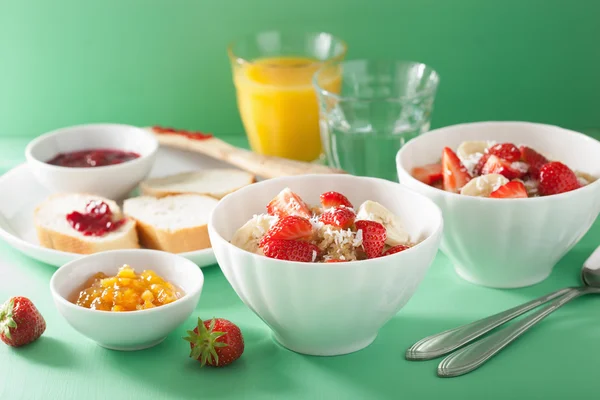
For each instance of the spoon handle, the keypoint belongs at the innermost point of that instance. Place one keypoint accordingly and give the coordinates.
(471, 357)
(445, 342)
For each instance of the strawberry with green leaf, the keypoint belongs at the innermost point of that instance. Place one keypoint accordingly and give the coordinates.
(20, 322)
(216, 343)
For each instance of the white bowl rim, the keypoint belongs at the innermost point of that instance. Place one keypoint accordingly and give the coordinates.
(343, 265)
(190, 265)
(57, 132)
(585, 189)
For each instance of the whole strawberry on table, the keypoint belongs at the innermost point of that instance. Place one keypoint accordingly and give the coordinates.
(20, 322)
(215, 343)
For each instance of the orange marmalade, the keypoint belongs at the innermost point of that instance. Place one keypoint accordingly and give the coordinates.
(127, 291)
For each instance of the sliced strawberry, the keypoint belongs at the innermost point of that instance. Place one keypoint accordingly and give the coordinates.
(535, 160)
(335, 260)
(373, 237)
(288, 203)
(479, 167)
(455, 174)
(291, 250)
(511, 190)
(342, 217)
(291, 227)
(334, 199)
(396, 249)
(555, 178)
(496, 165)
(506, 151)
(429, 174)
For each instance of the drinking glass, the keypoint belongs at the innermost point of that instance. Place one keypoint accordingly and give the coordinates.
(380, 106)
(272, 73)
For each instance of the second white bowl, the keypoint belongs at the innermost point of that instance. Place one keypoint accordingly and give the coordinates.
(509, 243)
(132, 330)
(112, 181)
(331, 308)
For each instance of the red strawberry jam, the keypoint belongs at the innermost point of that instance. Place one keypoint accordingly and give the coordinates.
(93, 158)
(97, 220)
(181, 132)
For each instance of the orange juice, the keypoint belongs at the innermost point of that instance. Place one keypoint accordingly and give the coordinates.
(278, 106)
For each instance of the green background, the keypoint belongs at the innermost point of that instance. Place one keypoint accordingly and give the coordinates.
(65, 62)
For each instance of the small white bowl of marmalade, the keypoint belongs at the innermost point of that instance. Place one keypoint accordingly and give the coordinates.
(127, 299)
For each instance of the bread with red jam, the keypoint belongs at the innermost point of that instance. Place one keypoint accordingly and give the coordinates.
(216, 183)
(175, 224)
(83, 224)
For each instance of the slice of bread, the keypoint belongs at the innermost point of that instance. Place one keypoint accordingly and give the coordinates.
(175, 224)
(216, 183)
(55, 232)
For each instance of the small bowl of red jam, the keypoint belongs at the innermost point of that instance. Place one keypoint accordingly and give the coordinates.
(107, 160)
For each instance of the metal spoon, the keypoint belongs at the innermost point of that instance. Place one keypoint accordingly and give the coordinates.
(445, 342)
(471, 357)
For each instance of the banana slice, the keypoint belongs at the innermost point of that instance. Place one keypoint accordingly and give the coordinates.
(467, 149)
(248, 236)
(584, 178)
(484, 185)
(470, 153)
(373, 211)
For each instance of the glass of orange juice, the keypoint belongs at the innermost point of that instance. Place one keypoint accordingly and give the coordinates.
(272, 73)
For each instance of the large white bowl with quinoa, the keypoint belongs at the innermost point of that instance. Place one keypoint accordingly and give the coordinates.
(326, 308)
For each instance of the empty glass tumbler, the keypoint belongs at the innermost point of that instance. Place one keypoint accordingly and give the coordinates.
(381, 106)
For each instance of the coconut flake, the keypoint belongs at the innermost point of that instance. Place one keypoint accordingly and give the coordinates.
(471, 161)
(520, 166)
(358, 238)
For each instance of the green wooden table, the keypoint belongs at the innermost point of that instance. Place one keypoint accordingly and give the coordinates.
(555, 360)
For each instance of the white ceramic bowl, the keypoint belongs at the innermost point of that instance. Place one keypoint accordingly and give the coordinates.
(134, 330)
(112, 181)
(320, 308)
(509, 243)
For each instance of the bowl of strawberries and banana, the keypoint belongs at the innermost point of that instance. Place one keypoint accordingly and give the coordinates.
(324, 249)
(516, 196)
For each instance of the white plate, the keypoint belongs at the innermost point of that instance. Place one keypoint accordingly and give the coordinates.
(21, 193)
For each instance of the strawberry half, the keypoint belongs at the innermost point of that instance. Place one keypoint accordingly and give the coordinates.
(428, 174)
(396, 249)
(291, 250)
(479, 167)
(335, 260)
(535, 160)
(291, 227)
(288, 203)
(341, 217)
(20, 322)
(511, 190)
(334, 199)
(556, 178)
(373, 237)
(216, 343)
(506, 151)
(496, 165)
(455, 174)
